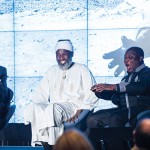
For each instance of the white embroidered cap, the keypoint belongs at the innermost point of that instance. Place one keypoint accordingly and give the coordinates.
(64, 44)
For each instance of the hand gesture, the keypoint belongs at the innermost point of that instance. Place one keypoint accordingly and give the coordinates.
(118, 56)
(103, 87)
(75, 117)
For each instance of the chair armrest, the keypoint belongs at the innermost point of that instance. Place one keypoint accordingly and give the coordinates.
(143, 114)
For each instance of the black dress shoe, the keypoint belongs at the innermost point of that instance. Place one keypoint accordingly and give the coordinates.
(47, 146)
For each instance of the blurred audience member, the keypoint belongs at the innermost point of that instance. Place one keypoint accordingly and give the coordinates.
(141, 135)
(73, 139)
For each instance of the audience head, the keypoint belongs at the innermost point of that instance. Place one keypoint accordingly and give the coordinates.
(64, 53)
(141, 134)
(73, 139)
(133, 58)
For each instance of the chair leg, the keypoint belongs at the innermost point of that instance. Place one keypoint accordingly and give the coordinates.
(46, 146)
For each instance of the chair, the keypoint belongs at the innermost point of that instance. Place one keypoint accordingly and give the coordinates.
(139, 117)
(81, 123)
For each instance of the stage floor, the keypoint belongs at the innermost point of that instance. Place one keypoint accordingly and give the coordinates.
(17, 136)
(21, 148)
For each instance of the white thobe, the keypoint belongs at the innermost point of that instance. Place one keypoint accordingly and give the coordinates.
(60, 94)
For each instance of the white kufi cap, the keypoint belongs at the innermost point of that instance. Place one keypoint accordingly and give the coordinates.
(64, 44)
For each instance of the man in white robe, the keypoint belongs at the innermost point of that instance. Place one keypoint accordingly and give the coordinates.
(61, 96)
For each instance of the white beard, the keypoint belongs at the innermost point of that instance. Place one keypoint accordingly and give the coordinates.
(65, 65)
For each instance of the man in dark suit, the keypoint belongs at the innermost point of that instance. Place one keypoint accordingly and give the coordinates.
(6, 95)
(131, 95)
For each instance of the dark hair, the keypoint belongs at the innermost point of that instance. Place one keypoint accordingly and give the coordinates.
(73, 139)
(139, 51)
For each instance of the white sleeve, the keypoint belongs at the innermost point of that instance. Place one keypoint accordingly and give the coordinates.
(88, 81)
(42, 92)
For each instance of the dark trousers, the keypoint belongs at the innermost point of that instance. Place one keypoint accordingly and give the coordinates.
(114, 117)
(3, 114)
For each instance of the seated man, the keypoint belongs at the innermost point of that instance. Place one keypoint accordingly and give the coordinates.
(62, 95)
(6, 95)
(132, 95)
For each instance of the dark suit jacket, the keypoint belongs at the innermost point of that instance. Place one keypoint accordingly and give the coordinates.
(138, 91)
(3, 75)
(5, 92)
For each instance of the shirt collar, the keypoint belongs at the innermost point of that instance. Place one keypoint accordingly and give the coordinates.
(139, 68)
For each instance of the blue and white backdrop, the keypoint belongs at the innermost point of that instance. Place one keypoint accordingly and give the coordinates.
(101, 31)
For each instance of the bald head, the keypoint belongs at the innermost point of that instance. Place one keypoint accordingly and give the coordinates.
(142, 134)
(145, 126)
